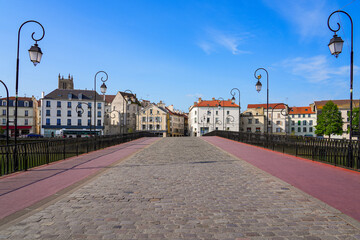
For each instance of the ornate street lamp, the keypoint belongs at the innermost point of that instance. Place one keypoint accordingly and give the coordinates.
(79, 110)
(103, 91)
(335, 46)
(258, 89)
(232, 92)
(35, 57)
(219, 106)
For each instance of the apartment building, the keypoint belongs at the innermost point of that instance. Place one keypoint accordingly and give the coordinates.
(154, 118)
(26, 122)
(176, 122)
(209, 115)
(302, 121)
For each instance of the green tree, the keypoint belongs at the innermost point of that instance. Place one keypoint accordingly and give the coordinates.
(355, 120)
(329, 121)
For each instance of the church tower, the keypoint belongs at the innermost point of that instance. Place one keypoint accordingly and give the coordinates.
(66, 83)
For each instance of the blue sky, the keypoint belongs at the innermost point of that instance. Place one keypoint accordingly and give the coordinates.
(177, 51)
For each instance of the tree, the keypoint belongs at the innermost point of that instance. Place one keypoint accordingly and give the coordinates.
(355, 120)
(329, 121)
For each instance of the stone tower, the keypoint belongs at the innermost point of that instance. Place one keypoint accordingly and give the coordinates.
(66, 83)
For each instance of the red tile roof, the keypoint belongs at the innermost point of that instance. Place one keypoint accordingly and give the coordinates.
(109, 98)
(301, 110)
(215, 103)
(271, 106)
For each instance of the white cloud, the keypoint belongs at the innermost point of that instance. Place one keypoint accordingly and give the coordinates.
(308, 17)
(317, 69)
(216, 39)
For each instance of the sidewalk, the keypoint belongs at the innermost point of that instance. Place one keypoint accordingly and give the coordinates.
(21, 190)
(338, 187)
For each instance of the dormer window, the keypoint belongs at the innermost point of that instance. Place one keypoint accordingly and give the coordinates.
(80, 96)
(70, 96)
(26, 103)
(4, 103)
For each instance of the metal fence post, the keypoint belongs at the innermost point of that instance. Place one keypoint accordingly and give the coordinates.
(26, 158)
(64, 150)
(47, 152)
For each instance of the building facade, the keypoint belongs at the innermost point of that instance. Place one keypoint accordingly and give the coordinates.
(176, 122)
(26, 122)
(302, 121)
(209, 115)
(154, 118)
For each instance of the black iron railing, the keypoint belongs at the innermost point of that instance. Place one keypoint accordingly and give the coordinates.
(36, 153)
(332, 151)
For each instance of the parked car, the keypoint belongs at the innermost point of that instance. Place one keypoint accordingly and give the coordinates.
(34, 135)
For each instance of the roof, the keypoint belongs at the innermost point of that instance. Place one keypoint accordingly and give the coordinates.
(174, 113)
(109, 98)
(301, 110)
(19, 98)
(62, 94)
(342, 104)
(215, 103)
(271, 106)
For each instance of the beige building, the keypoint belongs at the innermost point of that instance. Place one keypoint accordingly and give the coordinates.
(121, 110)
(176, 122)
(154, 118)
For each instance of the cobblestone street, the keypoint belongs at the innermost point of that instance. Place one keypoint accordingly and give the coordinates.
(183, 188)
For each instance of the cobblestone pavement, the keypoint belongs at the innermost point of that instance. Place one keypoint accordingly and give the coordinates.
(184, 188)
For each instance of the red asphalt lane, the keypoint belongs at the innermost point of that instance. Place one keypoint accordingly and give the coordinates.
(338, 187)
(21, 190)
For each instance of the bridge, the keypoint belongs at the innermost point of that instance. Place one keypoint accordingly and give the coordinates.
(181, 188)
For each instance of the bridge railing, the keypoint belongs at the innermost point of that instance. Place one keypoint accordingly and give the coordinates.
(332, 151)
(35, 153)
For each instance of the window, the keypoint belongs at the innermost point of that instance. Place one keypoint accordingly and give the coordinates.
(249, 121)
(144, 119)
(143, 127)
(58, 113)
(4, 121)
(310, 122)
(304, 129)
(150, 111)
(158, 127)
(150, 127)
(58, 104)
(158, 112)
(299, 123)
(89, 113)
(150, 119)
(227, 112)
(257, 121)
(278, 123)
(79, 113)
(208, 112)
(79, 122)
(99, 105)
(69, 95)
(248, 129)
(4, 112)
(58, 121)
(292, 129)
(26, 104)
(292, 123)
(309, 115)
(257, 130)
(310, 129)
(26, 122)
(217, 112)
(48, 104)
(69, 113)
(292, 115)
(4, 103)
(299, 115)
(26, 113)
(47, 113)
(69, 104)
(89, 122)
(208, 120)
(99, 114)
(69, 122)
(303, 115)
(48, 121)
(299, 129)
(216, 120)
(194, 120)
(227, 120)
(89, 105)
(216, 128)
(304, 122)
(99, 122)
(278, 130)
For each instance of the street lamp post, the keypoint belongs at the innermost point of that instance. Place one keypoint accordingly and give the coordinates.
(219, 106)
(80, 111)
(7, 127)
(286, 114)
(232, 92)
(113, 116)
(335, 46)
(258, 89)
(35, 57)
(103, 89)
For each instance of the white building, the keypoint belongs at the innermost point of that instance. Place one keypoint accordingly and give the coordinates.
(60, 113)
(209, 115)
(303, 121)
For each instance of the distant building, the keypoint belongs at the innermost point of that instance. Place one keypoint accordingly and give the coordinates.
(26, 122)
(209, 115)
(176, 123)
(154, 118)
(65, 83)
(303, 121)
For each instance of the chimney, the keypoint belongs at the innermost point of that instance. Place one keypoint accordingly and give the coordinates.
(213, 99)
(42, 94)
(199, 101)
